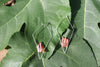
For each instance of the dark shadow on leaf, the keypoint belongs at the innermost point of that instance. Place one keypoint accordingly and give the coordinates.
(99, 25)
(8, 47)
(64, 32)
(45, 48)
(91, 49)
(23, 28)
(32, 57)
(75, 6)
(28, 62)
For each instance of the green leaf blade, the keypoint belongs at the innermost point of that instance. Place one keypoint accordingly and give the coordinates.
(19, 53)
(88, 18)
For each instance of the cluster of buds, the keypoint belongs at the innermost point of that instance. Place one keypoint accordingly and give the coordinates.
(65, 42)
(40, 48)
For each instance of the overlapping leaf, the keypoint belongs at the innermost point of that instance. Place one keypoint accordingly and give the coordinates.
(78, 55)
(19, 53)
(33, 14)
(11, 20)
(87, 20)
(54, 12)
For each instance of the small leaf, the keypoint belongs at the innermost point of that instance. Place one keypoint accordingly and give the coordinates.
(19, 53)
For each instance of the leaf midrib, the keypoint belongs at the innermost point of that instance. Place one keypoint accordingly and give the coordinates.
(43, 62)
(84, 16)
(26, 59)
(68, 57)
(17, 14)
(63, 54)
(29, 55)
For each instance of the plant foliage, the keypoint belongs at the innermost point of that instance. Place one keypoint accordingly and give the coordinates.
(20, 21)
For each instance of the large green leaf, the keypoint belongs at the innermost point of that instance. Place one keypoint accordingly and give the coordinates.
(87, 20)
(54, 13)
(35, 12)
(11, 20)
(78, 55)
(21, 55)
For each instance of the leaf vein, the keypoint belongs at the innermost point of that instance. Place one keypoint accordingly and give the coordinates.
(69, 57)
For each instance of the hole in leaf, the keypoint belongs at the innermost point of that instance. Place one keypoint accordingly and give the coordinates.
(8, 47)
(10, 3)
(99, 24)
(23, 27)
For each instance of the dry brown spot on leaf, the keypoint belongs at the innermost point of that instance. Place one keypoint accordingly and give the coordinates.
(3, 53)
(10, 3)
